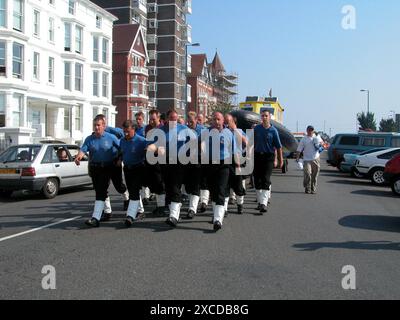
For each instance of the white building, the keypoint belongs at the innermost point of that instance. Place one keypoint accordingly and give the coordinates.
(55, 69)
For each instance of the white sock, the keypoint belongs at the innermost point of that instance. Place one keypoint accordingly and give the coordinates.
(175, 210)
(226, 204)
(125, 195)
(219, 214)
(160, 200)
(204, 196)
(133, 209)
(107, 206)
(194, 203)
(240, 200)
(98, 210)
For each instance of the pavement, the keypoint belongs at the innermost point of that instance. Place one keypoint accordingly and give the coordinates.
(296, 251)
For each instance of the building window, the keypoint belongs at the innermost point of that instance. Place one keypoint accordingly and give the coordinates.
(17, 103)
(51, 70)
(36, 66)
(105, 84)
(67, 76)
(36, 23)
(105, 51)
(105, 112)
(51, 29)
(18, 51)
(78, 39)
(67, 36)
(3, 13)
(96, 48)
(78, 117)
(71, 7)
(96, 83)
(2, 103)
(67, 119)
(135, 87)
(78, 76)
(98, 22)
(2, 58)
(18, 15)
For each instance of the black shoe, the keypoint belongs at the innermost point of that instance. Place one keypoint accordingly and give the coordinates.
(106, 217)
(258, 207)
(126, 205)
(152, 197)
(172, 222)
(231, 201)
(240, 209)
(190, 215)
(145, 202)
(226, 214)
(203, 208)
(263, 209)
(129, 222)
(217, 226)
(141, 216)
(93, 223)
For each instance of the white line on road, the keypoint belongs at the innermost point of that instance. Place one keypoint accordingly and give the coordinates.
(38, 229)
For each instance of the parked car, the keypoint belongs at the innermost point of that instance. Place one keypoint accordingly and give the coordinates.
(373, 165)
(348, 164)
(356, 143)
(43, 167)
(392, 174)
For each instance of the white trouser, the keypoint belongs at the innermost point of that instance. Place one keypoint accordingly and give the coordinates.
(98, 210)
(194, 203)
(133, 209)
(204, 196)
(219, 214)
(175, 210)
(107, 206)
(160, 200)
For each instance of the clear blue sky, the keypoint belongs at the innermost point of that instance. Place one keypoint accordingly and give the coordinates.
(300, 49)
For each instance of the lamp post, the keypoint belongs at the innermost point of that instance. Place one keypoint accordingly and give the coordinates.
(186, 73)
(367, 91)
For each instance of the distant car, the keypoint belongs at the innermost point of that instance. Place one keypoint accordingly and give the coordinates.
(392, 174)
(373, 165)
(348, 164)
(43, 167)
(359, 142)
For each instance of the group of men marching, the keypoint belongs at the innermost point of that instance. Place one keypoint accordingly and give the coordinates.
(113, 151)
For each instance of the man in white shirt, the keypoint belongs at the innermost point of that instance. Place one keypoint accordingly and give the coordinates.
(310, 147)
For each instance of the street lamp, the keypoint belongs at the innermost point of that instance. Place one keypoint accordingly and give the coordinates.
(368, 98)
(186, 73)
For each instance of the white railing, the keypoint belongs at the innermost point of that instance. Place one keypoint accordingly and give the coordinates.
(139, 70)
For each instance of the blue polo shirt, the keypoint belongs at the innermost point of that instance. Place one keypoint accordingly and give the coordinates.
(134, 150)
(103, 149)
(175, 136)
(226, 145)
(140, 131)
(118, 132)
(266, 140)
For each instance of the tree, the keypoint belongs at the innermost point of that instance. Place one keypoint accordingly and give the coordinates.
(224, 108)
(367, 121)
(387, 125)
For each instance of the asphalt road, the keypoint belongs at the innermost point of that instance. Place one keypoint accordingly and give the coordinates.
(296, 251)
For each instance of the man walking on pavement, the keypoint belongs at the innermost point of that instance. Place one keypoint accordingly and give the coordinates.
(310, 147)
(267, 141)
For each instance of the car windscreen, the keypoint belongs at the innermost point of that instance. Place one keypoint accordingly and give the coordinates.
(20, 154)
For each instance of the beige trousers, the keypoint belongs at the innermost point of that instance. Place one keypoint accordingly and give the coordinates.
(311, 172)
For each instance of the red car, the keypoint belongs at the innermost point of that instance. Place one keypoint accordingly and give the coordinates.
(392, 174)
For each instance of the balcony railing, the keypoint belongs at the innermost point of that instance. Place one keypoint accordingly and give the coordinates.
(139, 70)
(187, 9)
(140, 5)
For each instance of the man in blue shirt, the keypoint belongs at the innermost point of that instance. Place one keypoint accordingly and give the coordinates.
(267, 141)
(103, 149)
(133, 148)
(173, 171)
(193, 171)
(236, 181)
(220, 155)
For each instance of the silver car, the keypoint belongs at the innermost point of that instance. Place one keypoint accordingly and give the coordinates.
(46, 167)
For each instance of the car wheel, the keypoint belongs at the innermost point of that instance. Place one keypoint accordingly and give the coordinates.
(356, 174)
(396, 186)
(51, 188)
(377, 177)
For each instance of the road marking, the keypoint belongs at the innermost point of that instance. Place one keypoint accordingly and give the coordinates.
(38, 229)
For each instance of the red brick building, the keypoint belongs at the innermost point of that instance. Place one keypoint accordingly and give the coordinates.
(130, 73)
(202, 86)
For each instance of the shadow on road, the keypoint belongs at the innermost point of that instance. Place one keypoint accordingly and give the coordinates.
(376, 223)
(351, 245)
(351, 182)
(375, 193)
